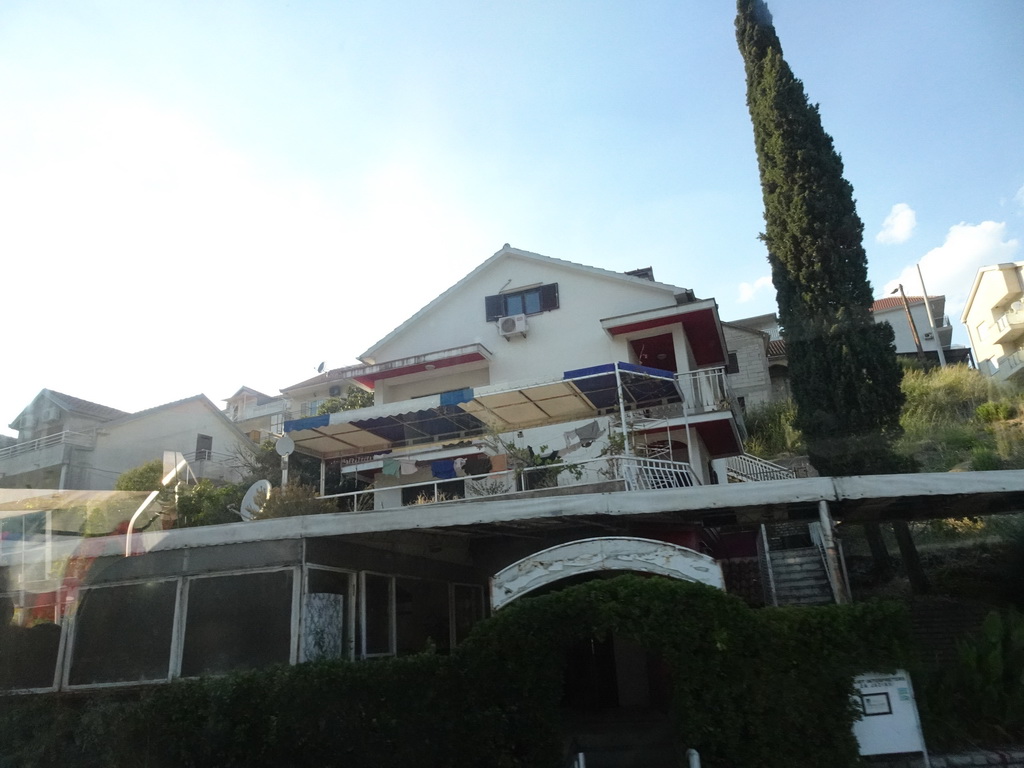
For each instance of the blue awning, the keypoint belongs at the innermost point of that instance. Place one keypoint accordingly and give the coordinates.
(471, 412)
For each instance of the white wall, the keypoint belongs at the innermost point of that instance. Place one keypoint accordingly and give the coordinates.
(559, 340)
(127, 444)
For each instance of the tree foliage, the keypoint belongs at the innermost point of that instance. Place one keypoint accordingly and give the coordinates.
(145, 477)
(843, 370)
(354, 399)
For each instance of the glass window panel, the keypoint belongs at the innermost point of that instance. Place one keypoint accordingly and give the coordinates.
(28, 646)
(421, 615)
(123, 633)
(237, 622)
(531, 302)
(377, 614)
(468, 609)
(514, 304)
(324, 616)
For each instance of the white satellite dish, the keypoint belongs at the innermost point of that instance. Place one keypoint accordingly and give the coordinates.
(285, 445)
(254, 499)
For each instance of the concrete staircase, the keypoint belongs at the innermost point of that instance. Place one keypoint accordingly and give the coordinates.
(626, 741)
(800, 577)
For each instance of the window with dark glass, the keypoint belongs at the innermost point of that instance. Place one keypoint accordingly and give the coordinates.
(530, 301)
(467, 609)
(237, 622)
(733, 365)
(123, 633)
(421, 615)
(378, 615)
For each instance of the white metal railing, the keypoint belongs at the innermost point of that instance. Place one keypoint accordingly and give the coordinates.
(636, 473)
(705, 390)
(78, 439)
(750, 467)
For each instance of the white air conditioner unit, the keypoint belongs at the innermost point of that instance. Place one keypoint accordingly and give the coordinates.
(512, 325)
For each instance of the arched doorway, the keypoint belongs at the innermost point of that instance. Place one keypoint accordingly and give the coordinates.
(611, 671)
(605, 553)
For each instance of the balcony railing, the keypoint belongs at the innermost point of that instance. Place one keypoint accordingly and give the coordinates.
(704, 391)
(1007, 327)
(77, 439)
(631, 473)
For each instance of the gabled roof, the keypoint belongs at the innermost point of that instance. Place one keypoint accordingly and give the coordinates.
(200, 399)
(509, 252)
(896, 302)
(72, 405)
(261, 398)
(1008, 265)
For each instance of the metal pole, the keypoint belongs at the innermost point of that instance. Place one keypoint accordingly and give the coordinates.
(913, 325)
(626, 448)
(931, 318)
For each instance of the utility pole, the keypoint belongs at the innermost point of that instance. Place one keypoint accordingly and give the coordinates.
(931, 319)
(913, 325)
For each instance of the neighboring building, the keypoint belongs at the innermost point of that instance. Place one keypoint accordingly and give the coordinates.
(65, 442)
(994, 316)
(892, 310)
(259, 416)
(747, 371)
(775, 353)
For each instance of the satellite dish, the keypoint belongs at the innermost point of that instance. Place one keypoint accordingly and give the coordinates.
(320, 368)
(254, 499)
(285, 445)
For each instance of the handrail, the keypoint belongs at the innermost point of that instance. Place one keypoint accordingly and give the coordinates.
(815, 530)
(750, 467)
(78, 439)
(764, 561)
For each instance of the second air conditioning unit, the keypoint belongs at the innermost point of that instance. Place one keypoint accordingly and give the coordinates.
(512, 325)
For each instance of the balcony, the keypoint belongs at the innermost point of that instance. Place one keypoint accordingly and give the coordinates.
(1010, 367)
(1007, 327)
(46, 451)
(603, 475)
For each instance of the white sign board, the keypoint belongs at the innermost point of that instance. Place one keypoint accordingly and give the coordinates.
(889, 722)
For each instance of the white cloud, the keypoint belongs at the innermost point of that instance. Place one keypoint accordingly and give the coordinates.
(950, 269)
(749, 290)
(1019, 197)
(898, 225)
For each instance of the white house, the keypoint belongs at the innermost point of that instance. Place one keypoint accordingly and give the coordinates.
(65, 442)
(994, 316)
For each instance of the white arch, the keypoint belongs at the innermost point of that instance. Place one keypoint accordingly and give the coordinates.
(607, 553)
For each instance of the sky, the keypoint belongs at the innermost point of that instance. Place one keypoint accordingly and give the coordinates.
(197, 196)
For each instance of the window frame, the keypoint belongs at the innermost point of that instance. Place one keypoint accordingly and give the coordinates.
(497, 305)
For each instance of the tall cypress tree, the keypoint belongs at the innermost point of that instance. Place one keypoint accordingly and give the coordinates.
(844, 374)
(843, 370)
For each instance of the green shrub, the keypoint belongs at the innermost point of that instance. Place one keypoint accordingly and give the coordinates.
(770, 688)
(771, 432)
(983, 458)
(981, 696)
(990, 411)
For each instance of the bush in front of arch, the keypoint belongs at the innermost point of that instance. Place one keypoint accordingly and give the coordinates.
(768, 687)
